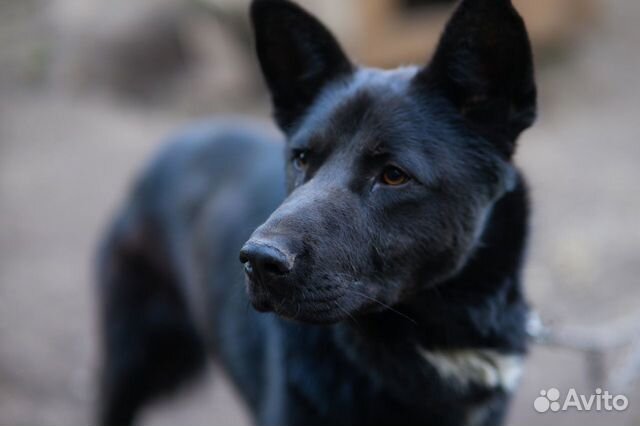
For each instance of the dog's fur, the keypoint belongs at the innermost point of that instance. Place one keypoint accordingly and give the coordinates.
(391, 260)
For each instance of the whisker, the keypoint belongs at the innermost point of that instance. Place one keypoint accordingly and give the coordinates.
(337, 304)
(384, 305)
(297, 311)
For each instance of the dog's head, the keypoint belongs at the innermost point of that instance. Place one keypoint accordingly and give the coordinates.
(391, 174)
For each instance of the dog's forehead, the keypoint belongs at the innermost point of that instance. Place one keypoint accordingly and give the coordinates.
(396, 79)
(366, 97)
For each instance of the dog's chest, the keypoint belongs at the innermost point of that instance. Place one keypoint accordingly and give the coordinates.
(342, 381)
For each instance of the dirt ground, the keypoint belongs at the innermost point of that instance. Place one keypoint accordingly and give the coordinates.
(66, 161)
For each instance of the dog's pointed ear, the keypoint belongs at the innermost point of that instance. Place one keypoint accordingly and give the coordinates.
(298, 56)
(484, 66)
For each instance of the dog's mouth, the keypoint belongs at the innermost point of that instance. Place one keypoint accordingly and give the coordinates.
(291, 287)
(320, 304)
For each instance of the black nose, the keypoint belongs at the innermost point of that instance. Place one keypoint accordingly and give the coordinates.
(264, 262)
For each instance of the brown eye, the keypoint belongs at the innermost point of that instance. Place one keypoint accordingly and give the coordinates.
(393, 176)
(300, 160)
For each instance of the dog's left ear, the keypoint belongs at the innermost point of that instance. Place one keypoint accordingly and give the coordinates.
(298, 55)
(484, 67)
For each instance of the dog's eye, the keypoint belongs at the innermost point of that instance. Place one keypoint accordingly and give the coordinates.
(300, 160)
(393, 176)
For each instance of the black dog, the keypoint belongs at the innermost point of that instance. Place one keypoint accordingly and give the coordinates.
(392, 260)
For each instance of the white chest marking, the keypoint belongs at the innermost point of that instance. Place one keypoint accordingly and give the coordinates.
(483, 367)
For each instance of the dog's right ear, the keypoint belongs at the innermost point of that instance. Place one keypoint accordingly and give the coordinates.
(298, 56)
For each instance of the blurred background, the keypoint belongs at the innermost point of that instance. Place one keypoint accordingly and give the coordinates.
(90, 88)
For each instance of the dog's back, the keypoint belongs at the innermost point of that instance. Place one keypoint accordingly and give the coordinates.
(197, 201)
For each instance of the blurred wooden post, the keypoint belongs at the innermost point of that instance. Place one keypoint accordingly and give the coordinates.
(598, 344)
(393, 35)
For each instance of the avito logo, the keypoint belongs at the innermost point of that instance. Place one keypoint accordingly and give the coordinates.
(550, 400)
